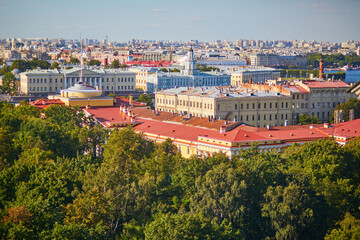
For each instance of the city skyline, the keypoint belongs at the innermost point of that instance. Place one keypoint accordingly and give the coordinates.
(320, 20)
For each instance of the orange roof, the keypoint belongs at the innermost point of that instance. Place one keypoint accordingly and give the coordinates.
(326, 84)
(44, 103)
(120, 101)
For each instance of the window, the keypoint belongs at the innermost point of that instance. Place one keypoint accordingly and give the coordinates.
(276, 105)
(45, 80)
(282, 105)
(56, 80)
(241, 106)
(270, 105)
(118, 79)
(107, 79)
(286, 105)
(259, 106)
(50, 89)
(218, 107)
(45, 89)
(50, 80)
(270, 117)
(247, 106)
(264, 105)
(235, 106)
(264, 117)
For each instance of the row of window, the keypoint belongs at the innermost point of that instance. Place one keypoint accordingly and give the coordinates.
(44, 80)
(43, 89)
(265, 117)
(120, 88)
(185, 103)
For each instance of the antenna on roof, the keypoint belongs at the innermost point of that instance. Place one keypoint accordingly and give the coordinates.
(81, 61)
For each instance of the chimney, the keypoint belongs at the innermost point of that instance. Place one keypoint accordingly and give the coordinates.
(326, 125)
(130, 99)
(222, 129)
(268, 127)
(286, 123)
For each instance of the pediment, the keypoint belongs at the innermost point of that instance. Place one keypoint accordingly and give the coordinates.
(86, 72)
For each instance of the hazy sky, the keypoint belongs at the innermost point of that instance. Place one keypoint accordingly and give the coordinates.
(204, 20)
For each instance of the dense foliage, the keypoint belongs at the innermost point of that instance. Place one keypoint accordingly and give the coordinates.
(351, 104)
(23, 65)
(64, 177)
(333, 60)
(296, 73)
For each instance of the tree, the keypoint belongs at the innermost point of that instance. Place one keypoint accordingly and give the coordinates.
(115, 64)
(294, 212)
(305, 119)
(352, 103)
(145, 98)
(349, 229)
(9, 83)
(55, 65)
(74, 61)
(94, 63)
(188, 226)
(220, 194)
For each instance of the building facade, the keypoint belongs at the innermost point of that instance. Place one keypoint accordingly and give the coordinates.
(52, 81)
(257, 75)
(257, 105)
(278, 60)
(189, 76)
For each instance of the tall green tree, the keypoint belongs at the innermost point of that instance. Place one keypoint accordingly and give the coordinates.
(9, 83)
(294, 212)
(115, 64)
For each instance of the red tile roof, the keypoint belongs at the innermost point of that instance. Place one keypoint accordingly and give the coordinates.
(44, 103)
(326, 84)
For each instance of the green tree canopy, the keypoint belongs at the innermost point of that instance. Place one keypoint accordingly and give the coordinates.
(115, 64)
(9, 83)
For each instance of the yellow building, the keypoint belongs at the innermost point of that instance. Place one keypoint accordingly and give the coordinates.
(142, 74)
(82, 95)
(257, 105)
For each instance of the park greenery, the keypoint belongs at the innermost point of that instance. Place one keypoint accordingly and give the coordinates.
(332, 60)
(8, 83)
(296, 73)
(205, 68)
(23, 65)
(352, 103)
(62, 176)
(305, 119)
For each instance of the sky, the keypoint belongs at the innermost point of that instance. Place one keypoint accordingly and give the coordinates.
(203, 20)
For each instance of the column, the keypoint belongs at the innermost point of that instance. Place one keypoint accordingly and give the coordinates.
(65, 82)
(95, 82)
(100, 83)
(90, 81)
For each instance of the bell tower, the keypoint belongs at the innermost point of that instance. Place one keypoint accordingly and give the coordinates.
(190, 63)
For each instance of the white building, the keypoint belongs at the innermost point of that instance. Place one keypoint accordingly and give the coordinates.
(51, 81)
(188, 77)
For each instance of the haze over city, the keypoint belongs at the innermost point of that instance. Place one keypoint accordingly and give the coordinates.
(320, 20)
